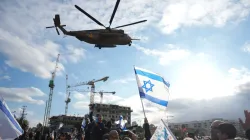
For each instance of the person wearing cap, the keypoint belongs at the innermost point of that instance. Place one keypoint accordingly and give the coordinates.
(226, 131)
(214, 129)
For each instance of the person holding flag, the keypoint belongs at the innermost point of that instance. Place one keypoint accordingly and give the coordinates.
(122, 123)
(146, 128)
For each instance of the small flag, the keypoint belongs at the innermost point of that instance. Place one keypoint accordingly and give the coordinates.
(83, 124)
(162, 132)
(60, 125)
(9, 127)
(122, 123)
(152, 86)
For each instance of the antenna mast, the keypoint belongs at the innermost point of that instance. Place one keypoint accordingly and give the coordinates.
(23, 114)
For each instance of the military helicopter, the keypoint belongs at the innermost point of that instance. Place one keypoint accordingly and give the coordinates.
(102, 38)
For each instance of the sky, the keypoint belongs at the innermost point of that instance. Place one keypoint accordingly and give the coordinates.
(201, 47)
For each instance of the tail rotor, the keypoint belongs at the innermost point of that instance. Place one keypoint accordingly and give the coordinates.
(57, 23)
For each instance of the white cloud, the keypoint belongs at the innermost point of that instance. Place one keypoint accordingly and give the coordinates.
(167, 54)
(246, 47)
(73, 54)
(38, 59)
(24, 95)
(217, 13)
(229, 95)
(124, 80)
(5, 77)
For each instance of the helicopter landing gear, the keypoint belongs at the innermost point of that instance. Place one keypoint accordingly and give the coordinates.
(130, 43)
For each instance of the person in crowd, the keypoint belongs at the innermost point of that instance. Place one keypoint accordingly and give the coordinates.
(214, 129)
(87, 129)
(246, 124)
(113, 135)
(191, 135)
(109, 125)
(62, 136)
(146, 129)
(127, 138)
(226, 131)
(98, 129)
(105, 136)
(37, 135)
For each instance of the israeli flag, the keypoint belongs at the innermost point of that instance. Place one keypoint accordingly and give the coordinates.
(122, 123)
(152, 86)
(83, 124)
(162, 132)
(9, 127)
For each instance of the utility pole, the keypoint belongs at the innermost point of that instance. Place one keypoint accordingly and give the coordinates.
(23, 113)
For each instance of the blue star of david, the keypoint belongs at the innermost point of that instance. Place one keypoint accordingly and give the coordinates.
(145, 85)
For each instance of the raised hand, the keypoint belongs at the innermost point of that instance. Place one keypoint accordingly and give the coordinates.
(246, 124)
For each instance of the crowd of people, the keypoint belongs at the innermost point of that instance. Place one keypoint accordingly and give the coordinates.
(96, 129)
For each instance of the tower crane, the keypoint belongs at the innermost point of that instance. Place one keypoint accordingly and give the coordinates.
(100, 92)
(92, 92)
(51, 86)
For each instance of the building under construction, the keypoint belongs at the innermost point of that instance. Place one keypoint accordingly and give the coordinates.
(109, 111)
(67, 121)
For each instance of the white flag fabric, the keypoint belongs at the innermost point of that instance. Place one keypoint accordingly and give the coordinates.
(9, 127)
(152, 86)
(122, 123)
(162, 132)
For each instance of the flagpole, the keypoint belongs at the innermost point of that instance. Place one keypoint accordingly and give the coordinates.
(143, 108)
(141, 98)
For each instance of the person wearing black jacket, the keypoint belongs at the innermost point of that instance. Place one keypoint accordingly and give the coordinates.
(146, 129)
(87, 129)
(98, 129)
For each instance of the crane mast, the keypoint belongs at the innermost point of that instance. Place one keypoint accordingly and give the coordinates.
(101, 95)
(67, 100)
(51, 86)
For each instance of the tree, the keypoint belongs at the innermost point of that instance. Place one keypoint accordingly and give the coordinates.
(23, 123)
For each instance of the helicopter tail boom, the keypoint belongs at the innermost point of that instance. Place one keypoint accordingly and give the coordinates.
(57, 23)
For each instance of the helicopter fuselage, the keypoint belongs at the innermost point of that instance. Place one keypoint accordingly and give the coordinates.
(102, 37)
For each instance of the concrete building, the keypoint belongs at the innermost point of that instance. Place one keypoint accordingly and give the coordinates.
(68, 121)
(109, 111)
(204, 125)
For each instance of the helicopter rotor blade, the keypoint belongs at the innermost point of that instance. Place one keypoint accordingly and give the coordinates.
(50, 27)
(88, 15)
(57, 31)
(114, 11)
(130, 24)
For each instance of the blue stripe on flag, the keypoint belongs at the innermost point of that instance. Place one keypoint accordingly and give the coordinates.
(8, 114)
(152, 76)
(153, 99)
